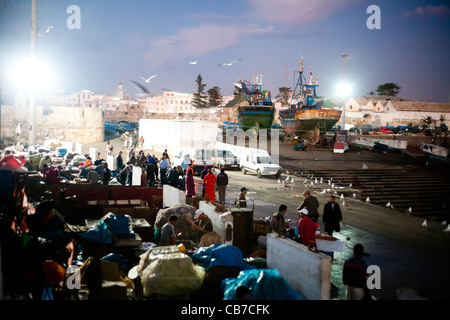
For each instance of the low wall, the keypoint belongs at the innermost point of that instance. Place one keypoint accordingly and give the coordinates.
(218, 224)
(172, 196)
(307, 272)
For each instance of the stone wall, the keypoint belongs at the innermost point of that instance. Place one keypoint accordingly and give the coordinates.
(76, 124)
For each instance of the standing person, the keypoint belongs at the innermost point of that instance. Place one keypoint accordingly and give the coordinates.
(203, 223)
(278, 223)
(354, 274)
(241, 201)
(306, 229)
(202, 176)
(129, 172)
(164, 165)
(168, 236)
(106, 174)
(312, 204)
(141, 142)
(189, 184)
(151, 168)
(222, 182)
(108, 146)
(209, 182)
(186, 162)
(332, 216)
(119, 160)
(166, 154)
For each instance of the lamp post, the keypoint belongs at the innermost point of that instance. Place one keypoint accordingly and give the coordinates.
(345, 56)
(33, 128)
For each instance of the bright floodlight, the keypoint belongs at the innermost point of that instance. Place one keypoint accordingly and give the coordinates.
(344, 90)
(31, 74)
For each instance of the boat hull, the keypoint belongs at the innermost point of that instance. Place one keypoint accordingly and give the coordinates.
(256, 117)
(304, 121)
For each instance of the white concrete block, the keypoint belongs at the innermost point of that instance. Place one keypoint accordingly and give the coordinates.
(112, 162)
(305, 271)
(93, 153)
(173, 196)
(136, 178)
(78, 148)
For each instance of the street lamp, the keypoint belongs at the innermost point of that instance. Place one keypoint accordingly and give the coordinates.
(345, 88)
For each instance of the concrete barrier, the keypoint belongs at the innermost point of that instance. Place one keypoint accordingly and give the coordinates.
(218, 224)
(172, 196)
(307, 272)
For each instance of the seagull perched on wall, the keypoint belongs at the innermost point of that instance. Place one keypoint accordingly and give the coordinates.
(148, 79)
(350, 185)
(292, 180)
(368, 199)
(447, 229)
(323, 191)
(388, 205)
(342, 196)
(443, 223)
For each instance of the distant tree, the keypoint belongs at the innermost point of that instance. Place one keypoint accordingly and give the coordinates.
(214, 97)
(388, 89)
(283, 95)
(370, 93)
(428, 120)
(200, 97)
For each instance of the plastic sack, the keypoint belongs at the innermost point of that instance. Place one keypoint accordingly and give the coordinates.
(221, 255)
(265, 284)
(98, 233)
(167, 271)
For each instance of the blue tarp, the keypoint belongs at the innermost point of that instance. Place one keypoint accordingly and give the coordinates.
(99, 233)
(221, 255)
(265, 284)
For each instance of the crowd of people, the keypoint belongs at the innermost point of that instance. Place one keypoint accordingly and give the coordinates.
(182, 176)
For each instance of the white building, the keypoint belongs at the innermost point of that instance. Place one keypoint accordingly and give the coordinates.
(380, 111)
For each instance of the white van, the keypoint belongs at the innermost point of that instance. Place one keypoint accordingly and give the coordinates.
(259, 162)
(199, 157)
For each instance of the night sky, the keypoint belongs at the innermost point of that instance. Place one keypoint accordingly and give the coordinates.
(119, 41)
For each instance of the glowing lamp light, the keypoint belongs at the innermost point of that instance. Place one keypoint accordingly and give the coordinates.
(344, 90)
(31, 74)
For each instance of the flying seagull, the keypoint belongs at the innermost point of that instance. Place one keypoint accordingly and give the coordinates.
(148, 79)
(49, 28)
(193, 62)
(229, 63)
(143, 92)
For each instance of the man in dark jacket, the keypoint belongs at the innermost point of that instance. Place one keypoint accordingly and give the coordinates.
(332, 216)
(312, 204)
(354, 274)
(222, 182)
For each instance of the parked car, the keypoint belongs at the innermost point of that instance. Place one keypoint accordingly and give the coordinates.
(259, 162)
(386, 130)
(225, 159)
